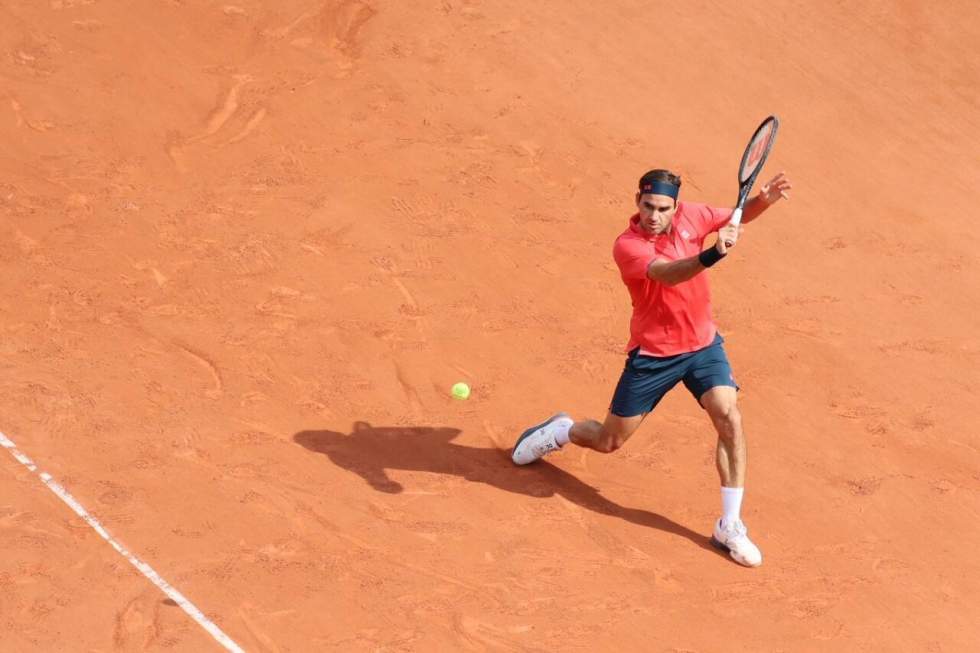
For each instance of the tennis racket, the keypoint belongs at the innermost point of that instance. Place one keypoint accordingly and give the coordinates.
(753, 159)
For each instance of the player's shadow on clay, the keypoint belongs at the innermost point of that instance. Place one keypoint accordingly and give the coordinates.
(369, 451)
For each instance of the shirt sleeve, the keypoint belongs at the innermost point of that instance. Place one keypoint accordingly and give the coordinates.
(708, 219)
(633, 258)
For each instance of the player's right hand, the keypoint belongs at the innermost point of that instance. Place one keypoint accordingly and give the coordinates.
(727, 237)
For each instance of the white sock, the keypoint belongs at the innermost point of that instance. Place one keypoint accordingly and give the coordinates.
(731, 504)
(561, 434)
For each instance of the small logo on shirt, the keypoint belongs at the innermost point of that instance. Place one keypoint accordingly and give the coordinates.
(684, 234)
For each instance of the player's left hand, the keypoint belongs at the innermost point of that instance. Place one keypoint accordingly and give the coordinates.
(775, 189)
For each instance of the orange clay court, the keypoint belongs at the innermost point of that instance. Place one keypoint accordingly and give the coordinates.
(248, 248)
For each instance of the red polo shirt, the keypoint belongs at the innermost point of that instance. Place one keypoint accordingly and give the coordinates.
(669, 320)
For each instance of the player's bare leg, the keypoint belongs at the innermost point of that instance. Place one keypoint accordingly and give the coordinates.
(560, 429)
(730, 533)
(607, 436)
(721, 406)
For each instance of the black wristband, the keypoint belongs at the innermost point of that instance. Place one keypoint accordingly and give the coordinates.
(710, 256)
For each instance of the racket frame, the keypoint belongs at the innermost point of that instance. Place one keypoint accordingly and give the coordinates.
(745, 187)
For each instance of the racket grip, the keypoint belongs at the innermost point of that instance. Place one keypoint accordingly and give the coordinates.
(736, 217)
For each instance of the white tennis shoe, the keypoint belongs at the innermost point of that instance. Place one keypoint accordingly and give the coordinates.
(734, 538)
(540, 440)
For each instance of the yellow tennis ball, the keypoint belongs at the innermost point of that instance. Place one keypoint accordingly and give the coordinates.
(461, 391)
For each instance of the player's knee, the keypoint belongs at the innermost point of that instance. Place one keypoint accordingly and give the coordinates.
(733, 416)
(610, 441)
(608, 445)
(728, 419)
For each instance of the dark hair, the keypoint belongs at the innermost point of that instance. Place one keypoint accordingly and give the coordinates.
(665, 176)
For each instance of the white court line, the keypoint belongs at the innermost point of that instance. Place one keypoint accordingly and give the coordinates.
(143, 568)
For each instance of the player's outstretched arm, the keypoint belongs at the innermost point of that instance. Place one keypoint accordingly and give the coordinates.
(774, 190)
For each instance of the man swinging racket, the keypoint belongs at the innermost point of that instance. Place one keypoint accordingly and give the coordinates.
(672, 338)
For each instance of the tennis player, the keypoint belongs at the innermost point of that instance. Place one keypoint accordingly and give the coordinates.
(662, 260)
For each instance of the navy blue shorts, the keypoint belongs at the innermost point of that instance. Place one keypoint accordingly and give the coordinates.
(646, 379)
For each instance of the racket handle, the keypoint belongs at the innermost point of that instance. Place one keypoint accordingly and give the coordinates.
(736, 217)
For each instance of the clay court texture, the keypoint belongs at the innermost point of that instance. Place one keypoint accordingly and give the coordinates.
(247, 249)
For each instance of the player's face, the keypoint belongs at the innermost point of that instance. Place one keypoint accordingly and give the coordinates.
(656, 212)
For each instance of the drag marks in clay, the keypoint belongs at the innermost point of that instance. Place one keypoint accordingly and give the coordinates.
(216, 120)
